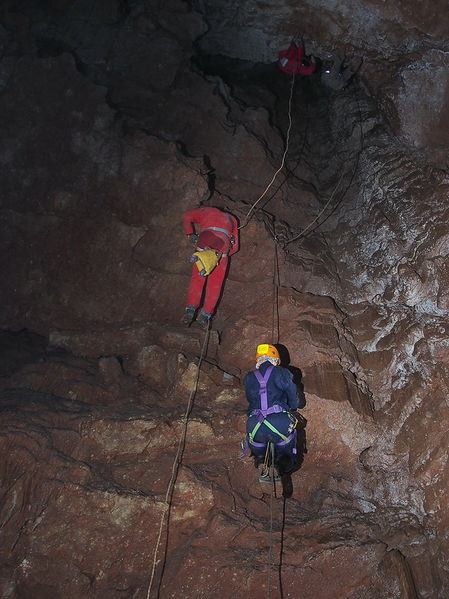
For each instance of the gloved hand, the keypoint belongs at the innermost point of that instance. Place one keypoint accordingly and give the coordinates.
(193, 238)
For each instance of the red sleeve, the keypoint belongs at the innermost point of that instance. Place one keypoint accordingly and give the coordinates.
(189, 217)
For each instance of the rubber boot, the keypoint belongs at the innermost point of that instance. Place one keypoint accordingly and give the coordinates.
(189, 315)
(204, 319)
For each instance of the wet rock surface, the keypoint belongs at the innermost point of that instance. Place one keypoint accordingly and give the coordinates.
(117, 118)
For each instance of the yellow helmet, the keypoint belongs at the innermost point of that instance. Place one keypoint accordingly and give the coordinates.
(267, 350)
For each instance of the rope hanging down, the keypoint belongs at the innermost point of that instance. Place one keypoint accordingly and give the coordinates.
(270, 542)
(177, 462)
(287, 142)
(275, 325)
(304, 231)
(343, 174)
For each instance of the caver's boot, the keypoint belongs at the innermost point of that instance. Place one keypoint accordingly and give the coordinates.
(189, 315)
(204, 319)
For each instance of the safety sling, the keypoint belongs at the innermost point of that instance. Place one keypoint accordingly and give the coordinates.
(265, 411)
(217, 229)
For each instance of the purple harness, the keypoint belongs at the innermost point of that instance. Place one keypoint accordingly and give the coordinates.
(265, 411)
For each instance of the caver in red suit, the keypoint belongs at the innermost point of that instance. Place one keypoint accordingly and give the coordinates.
(291, 60)
(218, 230)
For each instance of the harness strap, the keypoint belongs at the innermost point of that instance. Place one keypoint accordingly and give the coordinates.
(275, 430)
(263, 380)
(291, 437)
(252, 434)
(287, 440)
(231, 221)
(261, 414)
(268, 424)
(218, 229)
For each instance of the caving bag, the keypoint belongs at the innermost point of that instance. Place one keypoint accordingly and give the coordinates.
(205, 261)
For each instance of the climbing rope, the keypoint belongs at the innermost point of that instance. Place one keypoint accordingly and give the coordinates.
(275, 314)
(287, 142)
(343, 174)
(270, 541)
(177, 461)
(275, 311)
(275, 321)
(304, 231)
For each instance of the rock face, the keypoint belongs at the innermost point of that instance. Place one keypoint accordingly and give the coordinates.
(120, 432)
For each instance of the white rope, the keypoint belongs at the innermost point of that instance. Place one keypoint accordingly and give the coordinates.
(270, 545)
(275, 311)
(319, 214)
(339, 181)
(287, 142)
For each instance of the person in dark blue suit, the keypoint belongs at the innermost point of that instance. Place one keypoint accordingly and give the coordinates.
(272, 396)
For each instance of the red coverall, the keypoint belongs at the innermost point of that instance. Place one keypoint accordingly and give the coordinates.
(217, 240)
(294, 56)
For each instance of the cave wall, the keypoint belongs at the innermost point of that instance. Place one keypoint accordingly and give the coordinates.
(110, 134)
